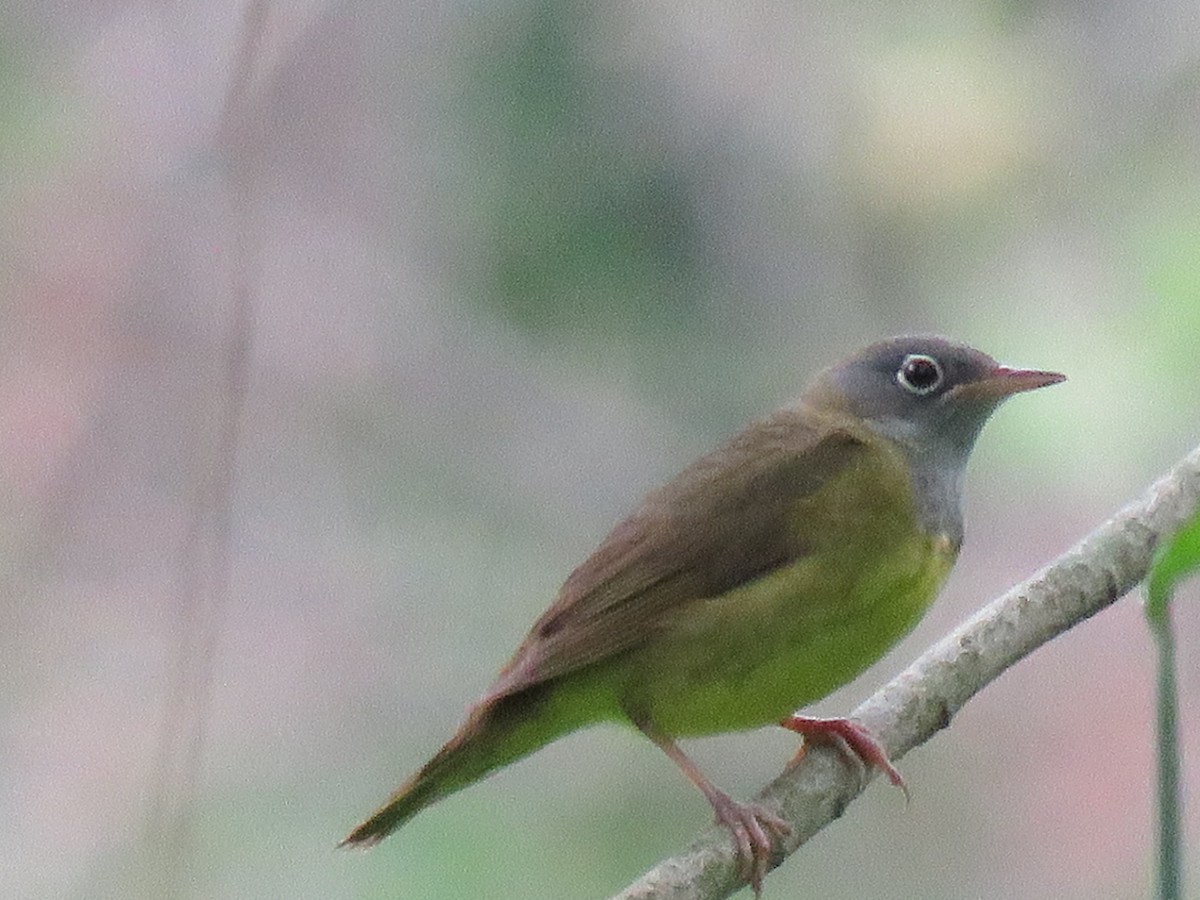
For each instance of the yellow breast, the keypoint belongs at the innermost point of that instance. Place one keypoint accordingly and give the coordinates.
(756, 653)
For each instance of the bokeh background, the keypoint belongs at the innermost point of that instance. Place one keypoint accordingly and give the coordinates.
(518, 261)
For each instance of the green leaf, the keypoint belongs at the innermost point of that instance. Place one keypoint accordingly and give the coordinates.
(1174, 560)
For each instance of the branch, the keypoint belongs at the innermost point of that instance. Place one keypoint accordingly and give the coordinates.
(923, 699)
(205, 568)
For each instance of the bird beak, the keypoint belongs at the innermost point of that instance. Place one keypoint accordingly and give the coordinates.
(1004, 381)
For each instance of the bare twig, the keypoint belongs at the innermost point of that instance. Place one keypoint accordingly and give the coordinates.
(205, 564)
(923, 699)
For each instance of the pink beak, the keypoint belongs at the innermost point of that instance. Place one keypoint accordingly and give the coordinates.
(1003, 381)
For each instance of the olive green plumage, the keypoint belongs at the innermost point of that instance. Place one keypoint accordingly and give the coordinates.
(765, 575)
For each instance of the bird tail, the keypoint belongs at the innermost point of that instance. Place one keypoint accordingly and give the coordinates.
(496, 733)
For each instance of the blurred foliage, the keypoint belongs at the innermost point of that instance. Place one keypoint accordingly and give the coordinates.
(590, 220)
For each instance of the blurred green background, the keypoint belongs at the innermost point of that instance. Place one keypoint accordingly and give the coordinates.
(522, 260)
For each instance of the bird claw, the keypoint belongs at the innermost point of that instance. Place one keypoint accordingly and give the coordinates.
(851, 736)
(752, 826)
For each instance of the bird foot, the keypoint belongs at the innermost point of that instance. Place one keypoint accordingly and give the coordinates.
(853, 737)
(754, 829)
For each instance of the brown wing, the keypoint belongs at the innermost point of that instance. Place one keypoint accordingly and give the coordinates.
(722, 522)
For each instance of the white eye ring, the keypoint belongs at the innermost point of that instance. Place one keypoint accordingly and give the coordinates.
(919, 374)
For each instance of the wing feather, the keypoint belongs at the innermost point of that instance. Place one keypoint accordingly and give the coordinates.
(722, 522)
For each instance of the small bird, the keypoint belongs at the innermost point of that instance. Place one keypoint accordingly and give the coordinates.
(766, 574)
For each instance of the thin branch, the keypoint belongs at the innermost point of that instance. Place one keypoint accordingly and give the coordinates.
(205, 561)
(923, 699)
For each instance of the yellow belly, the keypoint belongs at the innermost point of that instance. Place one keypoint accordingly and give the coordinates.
(757, 653)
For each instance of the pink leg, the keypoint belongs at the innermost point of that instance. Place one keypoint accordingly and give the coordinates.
(851, 735)
(751, 824)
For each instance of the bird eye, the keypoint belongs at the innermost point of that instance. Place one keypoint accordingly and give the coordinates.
(919, 374)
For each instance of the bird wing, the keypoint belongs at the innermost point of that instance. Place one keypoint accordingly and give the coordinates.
(722, 522)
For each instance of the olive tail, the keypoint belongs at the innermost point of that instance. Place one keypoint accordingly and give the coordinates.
(495, 734)
(413, 796)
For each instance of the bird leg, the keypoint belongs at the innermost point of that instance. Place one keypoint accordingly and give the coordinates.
(751, 824)
(853, 737)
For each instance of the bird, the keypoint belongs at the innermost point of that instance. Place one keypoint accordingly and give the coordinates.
(766, 574)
